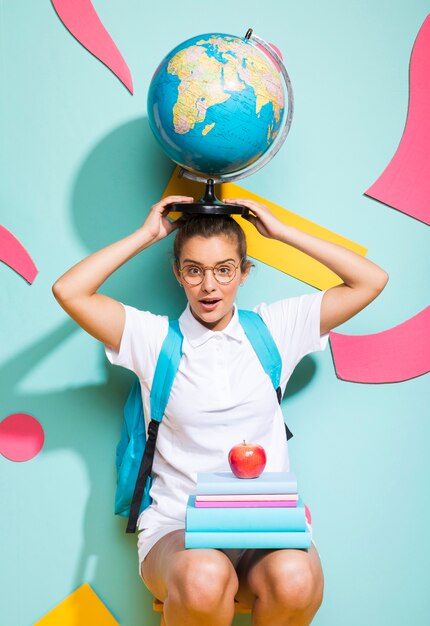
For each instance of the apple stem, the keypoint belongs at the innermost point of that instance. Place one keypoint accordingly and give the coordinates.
(244, 442)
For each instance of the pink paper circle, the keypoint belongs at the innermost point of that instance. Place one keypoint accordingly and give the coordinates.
(21, 437)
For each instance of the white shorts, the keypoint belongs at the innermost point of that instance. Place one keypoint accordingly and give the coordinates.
(148, 537)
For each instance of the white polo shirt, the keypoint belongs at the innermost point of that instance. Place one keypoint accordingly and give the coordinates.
(220, 397)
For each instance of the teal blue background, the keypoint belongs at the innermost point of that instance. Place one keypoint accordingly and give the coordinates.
(80, 169)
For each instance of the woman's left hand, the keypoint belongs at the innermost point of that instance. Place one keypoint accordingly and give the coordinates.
(261, 217)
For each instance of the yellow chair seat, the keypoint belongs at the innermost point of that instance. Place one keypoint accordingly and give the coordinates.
(157, 605)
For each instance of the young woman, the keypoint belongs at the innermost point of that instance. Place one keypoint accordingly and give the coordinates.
(220, 396)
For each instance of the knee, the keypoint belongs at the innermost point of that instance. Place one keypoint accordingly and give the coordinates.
(200, 584)
(292, 586)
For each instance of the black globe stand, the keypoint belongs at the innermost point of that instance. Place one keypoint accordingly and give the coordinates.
(208, 205)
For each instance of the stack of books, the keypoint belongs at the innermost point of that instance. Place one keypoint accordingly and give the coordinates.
(231, 512)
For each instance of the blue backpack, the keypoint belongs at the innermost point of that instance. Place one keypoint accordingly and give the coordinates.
(135, 451)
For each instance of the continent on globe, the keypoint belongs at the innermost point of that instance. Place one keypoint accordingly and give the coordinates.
(216, 103)
(208, 128)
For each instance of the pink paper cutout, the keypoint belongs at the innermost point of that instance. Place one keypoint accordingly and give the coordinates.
(308, 515)
(405, 183)
(13, 253)
(81, 19)
(21, 437)
(391, 356)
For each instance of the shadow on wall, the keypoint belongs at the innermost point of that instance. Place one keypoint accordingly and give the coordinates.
(85, 420)
(301, 376)
(124, 175)
(115, 187)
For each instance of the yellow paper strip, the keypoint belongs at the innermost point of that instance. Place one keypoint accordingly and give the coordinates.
(273, 253)
(82, 608)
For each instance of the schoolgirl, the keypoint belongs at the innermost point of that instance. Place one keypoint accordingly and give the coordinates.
(219, 397)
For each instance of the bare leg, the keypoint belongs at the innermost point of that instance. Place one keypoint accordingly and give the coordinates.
(283, 587)
(197, 586)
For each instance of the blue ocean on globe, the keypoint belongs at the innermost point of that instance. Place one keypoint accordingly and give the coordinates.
(216, 103)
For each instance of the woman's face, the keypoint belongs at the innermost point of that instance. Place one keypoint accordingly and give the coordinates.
(211, 302)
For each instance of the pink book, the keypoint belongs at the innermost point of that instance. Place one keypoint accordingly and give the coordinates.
(271, 497)
(205, 504)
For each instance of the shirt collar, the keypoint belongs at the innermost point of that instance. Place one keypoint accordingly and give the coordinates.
(197, 334)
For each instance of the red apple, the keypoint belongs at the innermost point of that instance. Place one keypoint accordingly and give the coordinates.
(247, 460)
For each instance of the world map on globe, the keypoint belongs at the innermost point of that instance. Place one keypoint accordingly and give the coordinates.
(216, 103)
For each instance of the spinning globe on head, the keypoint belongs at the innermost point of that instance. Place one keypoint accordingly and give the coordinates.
(217, 103)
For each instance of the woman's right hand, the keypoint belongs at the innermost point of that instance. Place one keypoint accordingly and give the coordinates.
(76, 291)
(157, 225)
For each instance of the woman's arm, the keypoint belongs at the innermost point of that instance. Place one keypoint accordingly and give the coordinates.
(363, 280)
(76, 290)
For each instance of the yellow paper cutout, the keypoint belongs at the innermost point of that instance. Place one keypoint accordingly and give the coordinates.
(82, 608)
(274, 253)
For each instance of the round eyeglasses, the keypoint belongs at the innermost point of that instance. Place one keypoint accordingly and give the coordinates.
(194, 274)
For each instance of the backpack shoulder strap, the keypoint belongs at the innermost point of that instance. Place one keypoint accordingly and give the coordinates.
(165, 371)
(164, 375)
(263, 343)
(266, 349)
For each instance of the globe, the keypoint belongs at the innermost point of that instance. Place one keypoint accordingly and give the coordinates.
(216, 103)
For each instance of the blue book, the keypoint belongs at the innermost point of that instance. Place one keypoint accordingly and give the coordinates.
(209, 483)
(248, 540)
(245, 518)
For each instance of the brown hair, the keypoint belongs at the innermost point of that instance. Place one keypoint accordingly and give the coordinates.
(210, 226)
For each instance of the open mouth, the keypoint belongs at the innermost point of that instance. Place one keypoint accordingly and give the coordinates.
(209, 303)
